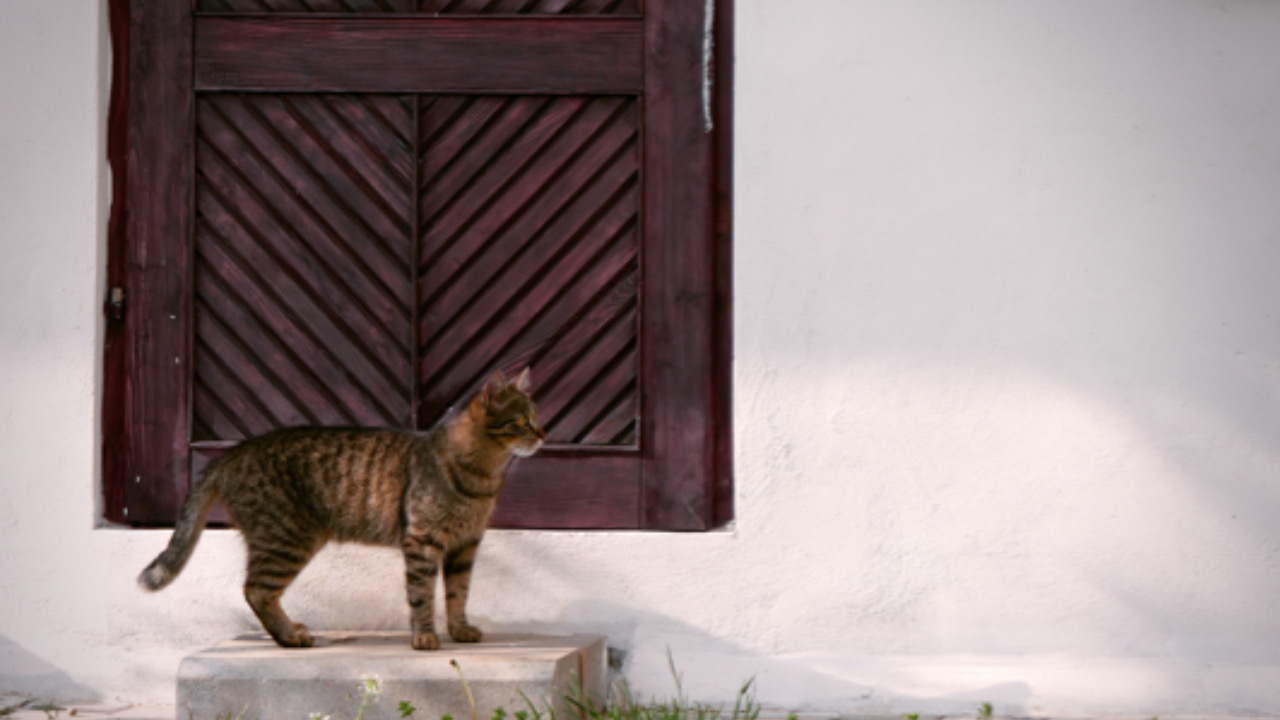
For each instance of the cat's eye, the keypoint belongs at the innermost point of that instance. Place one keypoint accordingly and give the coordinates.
(517, 425)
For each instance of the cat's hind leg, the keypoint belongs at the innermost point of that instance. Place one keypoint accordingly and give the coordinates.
(270, 571)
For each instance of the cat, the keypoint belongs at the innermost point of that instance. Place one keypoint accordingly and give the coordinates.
(290, 491)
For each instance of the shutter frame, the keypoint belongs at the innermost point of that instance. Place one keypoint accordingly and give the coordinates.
(145, 403)
(684, 465)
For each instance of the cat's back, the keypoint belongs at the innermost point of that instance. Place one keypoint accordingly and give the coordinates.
(350, 481)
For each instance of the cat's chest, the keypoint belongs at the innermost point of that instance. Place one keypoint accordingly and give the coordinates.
(437, 510)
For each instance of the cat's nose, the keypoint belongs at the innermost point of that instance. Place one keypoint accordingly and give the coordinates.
(539, 433)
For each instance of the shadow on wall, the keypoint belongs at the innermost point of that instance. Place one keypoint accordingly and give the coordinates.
(23, 673)
(711, 669)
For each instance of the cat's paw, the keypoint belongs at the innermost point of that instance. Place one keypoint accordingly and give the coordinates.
(298, 637)
(426, 641)
(465, 633)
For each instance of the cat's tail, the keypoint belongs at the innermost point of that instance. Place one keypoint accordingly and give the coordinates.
(191, 519)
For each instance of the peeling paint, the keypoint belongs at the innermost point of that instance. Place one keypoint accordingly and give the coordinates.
(708, 63)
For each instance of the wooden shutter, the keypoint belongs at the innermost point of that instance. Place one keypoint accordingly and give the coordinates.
(349, 212)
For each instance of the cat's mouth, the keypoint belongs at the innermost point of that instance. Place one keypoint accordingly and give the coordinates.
(526, 450)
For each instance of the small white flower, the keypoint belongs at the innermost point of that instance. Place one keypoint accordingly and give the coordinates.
(318, 716)
(371, 685)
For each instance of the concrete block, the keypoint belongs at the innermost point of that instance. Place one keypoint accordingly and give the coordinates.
(252, 678)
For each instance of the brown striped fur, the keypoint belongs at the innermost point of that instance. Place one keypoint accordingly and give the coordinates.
(291, 491)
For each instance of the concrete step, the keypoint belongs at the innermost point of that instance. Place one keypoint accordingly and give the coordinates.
(251, 678)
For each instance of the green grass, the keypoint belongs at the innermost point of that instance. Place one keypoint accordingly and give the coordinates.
(626, 706)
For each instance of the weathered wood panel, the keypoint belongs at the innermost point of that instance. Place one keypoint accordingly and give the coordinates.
(303, 273)
(678, 247)
(431, 7)
(354, 210)
(145, 439)
(494, 55)
(529, 254)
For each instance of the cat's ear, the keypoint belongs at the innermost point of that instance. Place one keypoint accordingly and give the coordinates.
(521, 382)
(494, 385)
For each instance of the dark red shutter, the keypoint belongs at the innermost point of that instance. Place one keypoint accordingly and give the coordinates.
(351, 211)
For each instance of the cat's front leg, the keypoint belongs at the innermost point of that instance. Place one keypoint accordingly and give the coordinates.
(457, 585)
(422, 556)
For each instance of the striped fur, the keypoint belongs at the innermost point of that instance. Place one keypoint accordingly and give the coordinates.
(291, 491)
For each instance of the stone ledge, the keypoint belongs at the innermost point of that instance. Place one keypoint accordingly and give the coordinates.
(252, 678)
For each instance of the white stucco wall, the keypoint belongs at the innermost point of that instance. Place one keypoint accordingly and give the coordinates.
(1007, 381)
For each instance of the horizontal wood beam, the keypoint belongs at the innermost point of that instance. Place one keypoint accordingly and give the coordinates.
(411, 55)
(553, 492)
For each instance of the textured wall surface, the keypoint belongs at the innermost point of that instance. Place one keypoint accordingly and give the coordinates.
(1007, 382)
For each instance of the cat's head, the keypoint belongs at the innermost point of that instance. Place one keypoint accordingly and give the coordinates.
(506, 413)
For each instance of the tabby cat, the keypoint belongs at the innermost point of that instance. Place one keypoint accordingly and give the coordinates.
(291, 491)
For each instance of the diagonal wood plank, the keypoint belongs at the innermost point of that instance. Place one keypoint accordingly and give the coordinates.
(283, 228)
(304, 289)
(335, 228)
(287, 329)
(547, 254)
(304, 6)
(526, 227)
(457, 234)
(532, 7)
